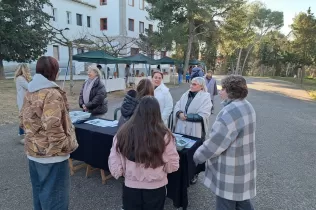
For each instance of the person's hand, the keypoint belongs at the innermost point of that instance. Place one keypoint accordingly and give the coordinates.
(182, 117)
(84, 107)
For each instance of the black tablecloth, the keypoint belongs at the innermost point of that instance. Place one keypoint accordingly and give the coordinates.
(94, 149)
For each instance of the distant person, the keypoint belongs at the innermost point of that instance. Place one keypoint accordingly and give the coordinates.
(93, 94)
(197, 72)
(108, 72)
(144, 152)
(22, 78)
(230, 151)
(187, 77)
(50, 137)
(127, 73)
(132, 98)
(163, 96)
(180, 74)
(211, 87)
(100, 69)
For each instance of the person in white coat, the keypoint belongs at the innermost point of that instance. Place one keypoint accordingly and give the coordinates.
(162, 94)
(22, 78)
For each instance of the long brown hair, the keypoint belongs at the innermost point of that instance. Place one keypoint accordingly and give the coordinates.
(144, 88)
(23, 70)
(141, 138)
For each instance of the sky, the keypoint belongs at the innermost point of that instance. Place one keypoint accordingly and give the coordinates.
(290, 8)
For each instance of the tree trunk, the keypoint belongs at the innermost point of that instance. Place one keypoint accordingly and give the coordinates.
(261, 70)
(190, 41)
(246, 58)
(2, 75)
(287, 69)
(71, 73)
(238, 62)
(302, 74)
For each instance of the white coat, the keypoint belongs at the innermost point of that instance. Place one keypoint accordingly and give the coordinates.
(162, 94)
(21, 88)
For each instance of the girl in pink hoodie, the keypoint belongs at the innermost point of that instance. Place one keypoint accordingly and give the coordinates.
(144, 152)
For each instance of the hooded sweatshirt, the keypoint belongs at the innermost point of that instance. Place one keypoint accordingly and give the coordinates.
(50, 135)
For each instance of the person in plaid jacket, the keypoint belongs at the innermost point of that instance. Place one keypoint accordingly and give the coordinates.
(230, 151)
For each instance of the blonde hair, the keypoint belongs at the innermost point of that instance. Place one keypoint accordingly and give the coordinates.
(200, 81)
(24, 71)
(96, 70)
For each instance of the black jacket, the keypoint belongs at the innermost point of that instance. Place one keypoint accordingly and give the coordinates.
(128, 107)
(190, 116)
(98, 103)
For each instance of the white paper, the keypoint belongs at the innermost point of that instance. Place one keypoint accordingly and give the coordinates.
(189, 141)
(102, 123)
(177, 135)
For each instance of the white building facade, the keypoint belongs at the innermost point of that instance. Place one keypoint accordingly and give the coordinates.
(119, 20)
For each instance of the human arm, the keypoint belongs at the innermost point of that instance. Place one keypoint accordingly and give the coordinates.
(171, 156)
(81, 103)
(168, 106)
(97, 99)
(115, 162)
(221, 137)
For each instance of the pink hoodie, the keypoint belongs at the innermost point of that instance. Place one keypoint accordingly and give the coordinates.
(139, 177)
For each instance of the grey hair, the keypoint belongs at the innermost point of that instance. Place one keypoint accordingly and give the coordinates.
(96, 70)
(200, 81)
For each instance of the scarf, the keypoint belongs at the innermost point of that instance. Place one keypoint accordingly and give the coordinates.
(87, 89)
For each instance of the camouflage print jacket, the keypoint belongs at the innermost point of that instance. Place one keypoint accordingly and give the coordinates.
(45, 119)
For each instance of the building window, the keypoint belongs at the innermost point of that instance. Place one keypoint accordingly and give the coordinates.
(131, 3)
(79, 19)
(103, 24)
(54, 11)
(163, 54)
(68, 17)
(134, 51)
(141, 4)
(103, 2)
(131, 24)
(56, 52)
(141, 27)
(88, 21)
(80, 50)
(151, 28)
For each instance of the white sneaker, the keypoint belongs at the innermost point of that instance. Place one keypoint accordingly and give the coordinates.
(22, 141)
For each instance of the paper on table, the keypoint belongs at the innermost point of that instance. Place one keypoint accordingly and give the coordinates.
(189, 141)
(102, 123)
(177, 135)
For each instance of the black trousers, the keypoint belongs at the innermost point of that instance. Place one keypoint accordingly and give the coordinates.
(142, 199)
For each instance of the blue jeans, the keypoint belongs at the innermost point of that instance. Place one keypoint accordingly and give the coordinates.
(50, 184)
(180, 77)
(224, 204)
(21, 131)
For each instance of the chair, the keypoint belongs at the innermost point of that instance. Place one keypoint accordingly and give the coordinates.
(170, 121)
(115, 112)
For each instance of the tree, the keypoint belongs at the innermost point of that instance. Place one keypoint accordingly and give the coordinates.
(116, 46)
(23, 37)
(263, 21)
(172, 13)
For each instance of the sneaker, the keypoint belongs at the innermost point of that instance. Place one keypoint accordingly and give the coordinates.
(22, 141)
(194, 180)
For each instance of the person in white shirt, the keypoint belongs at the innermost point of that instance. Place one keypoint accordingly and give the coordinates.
(22, 78)
(162, 94)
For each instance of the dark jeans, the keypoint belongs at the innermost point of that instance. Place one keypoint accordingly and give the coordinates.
(142, 199)
(50, 184)
(21, 131)
(224, 204)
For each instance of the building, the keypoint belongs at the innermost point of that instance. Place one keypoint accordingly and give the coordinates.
(119, 20)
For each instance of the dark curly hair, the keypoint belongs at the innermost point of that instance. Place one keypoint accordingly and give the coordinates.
(235, 86)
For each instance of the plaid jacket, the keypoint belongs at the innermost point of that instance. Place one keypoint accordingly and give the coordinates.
(230, 153)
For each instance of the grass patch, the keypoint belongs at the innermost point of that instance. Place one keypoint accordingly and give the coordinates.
(309, 84)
